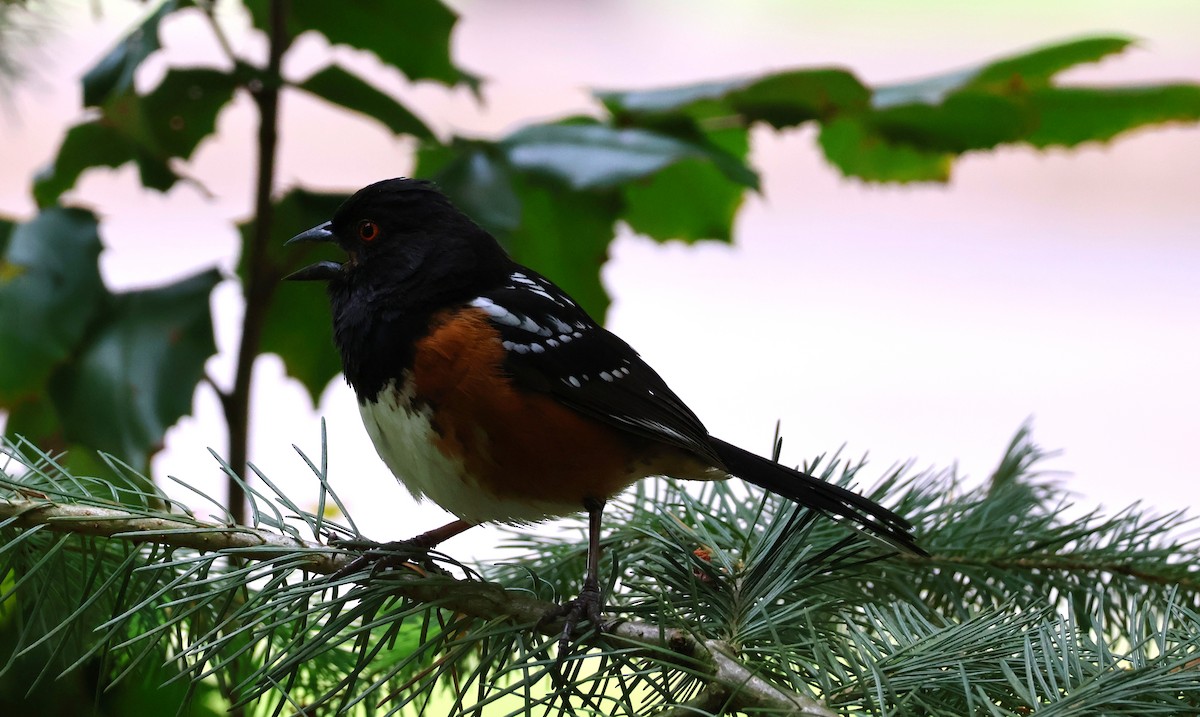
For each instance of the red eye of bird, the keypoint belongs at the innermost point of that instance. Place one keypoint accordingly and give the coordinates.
(368, 230)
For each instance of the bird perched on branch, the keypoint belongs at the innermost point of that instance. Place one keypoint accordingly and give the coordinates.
(487, 389)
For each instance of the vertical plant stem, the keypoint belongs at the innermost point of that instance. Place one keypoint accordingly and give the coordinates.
(261, 275)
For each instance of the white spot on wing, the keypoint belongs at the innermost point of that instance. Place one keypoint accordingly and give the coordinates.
(498, 313)
(532, 286)
(531, 326)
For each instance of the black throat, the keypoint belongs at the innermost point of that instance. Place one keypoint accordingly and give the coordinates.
(376, 323)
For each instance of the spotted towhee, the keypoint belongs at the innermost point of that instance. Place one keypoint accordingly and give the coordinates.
(486, 388)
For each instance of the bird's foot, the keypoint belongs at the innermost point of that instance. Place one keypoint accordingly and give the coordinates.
(588, 605)
(359, 544)
(412, 553)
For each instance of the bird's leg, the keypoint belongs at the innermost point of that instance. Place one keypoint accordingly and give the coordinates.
(590, 601)
(393, 553)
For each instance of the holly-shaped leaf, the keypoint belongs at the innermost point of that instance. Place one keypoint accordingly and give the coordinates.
(690, 200)
(343, 88)
(852, 147)
(94, 144)
(177, 114)
(963, 121)
(556, 230)
(781, 99)
(789, 98)
(412, 36)
(136, 373)
(1040, 65)
(595, 156)
(50, 289)
(913, 131)
(298, 327)
(565, 235)
(149, 130)
(477, 178)
(1069, 116)
(113, 74)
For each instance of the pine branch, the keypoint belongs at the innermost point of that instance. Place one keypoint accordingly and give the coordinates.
(166, 530)
(731, 682)
(730, 602)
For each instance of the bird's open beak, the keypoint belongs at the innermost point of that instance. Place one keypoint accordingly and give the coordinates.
(322, 270)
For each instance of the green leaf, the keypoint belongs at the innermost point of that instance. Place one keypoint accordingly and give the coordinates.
(1069, 116)
(781, 99)
(858, 152)
(35, 418)
(7, 229)
(1002, 77)
(113, 74)
(50, 289)
(87, 145)
(965, 121)
(149, 130)
(565, 235)
(690, 200)
(412, 36)
(912, 131)
(929, 92)
(176, 115)
(476, 177)
(137, 372)
(593, 156)
(297, 326)
(668, 100)
(787, 99)
(1039, 66)
(343, 88)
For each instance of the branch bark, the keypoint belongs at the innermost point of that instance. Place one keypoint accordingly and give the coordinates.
(261, 276)
(733, 684)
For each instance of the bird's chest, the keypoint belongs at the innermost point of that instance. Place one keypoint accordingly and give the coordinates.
(424, 456)
(404, 437)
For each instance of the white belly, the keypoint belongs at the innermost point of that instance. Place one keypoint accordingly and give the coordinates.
(403, 436)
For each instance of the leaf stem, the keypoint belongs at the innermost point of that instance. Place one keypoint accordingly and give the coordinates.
(209, 10)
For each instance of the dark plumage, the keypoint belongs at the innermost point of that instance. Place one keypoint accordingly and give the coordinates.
(473, 372)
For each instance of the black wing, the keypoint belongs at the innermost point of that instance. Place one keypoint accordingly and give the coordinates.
(553, 346)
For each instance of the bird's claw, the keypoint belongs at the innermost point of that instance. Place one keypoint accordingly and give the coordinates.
(587, 606)
(360, 544)
(383, 555)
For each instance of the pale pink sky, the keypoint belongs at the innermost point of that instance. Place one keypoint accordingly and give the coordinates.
(914, 322)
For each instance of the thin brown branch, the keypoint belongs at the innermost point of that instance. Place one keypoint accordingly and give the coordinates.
(733, 685)
(208, 7)
(261, 276)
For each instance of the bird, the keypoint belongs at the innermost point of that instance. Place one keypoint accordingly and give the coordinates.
(487, 389)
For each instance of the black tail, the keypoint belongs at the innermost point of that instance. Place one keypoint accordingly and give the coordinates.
(816, 493)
